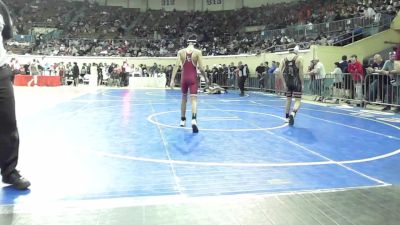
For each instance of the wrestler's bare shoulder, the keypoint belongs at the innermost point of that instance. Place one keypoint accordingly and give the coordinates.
(197, 52)
(182, 51)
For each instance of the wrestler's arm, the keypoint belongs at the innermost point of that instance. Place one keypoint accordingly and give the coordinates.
(200, 65)
(281, 68)
(175, 70)
(301, 69)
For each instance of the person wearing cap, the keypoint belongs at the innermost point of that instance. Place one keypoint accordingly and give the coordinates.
(291, 72)
(9, 136)
(191, 60)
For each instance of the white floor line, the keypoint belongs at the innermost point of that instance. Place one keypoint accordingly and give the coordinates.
(248, 165)
(330, 160)
(324, 157)
(176, 178)
(353, 127)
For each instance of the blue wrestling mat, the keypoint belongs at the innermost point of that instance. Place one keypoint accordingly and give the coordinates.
(128, 143)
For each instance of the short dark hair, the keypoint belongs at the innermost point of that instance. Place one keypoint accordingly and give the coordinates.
(344, 58)
(354, 56)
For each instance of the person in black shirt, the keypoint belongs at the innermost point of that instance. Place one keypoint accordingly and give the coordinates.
(291, 72)
(260, 70)
(344, 64)
(242, 72)
(75, 73)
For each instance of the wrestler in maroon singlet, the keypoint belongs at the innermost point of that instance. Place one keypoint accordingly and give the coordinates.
(190, 59)
(189, 76)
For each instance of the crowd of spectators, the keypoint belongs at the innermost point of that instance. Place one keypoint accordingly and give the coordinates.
(91, 29)
(113, 74)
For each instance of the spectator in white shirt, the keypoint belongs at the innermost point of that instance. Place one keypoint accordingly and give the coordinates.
(319, 73)
(337, 75)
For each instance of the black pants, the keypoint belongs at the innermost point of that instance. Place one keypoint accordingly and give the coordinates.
(100, 79)
(124, 79)
(242, 80)
(9, 138)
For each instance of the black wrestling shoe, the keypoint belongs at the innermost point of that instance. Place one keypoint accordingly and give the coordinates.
(16, 180)
(194, 126)
(291, 119)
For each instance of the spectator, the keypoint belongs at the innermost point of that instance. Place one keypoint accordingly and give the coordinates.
(375, 82)
(318, 71)
(260, 70)
(343, 64)
(389, 70)
(75, 73)
(337, 80)
(357, 73)
(242, 73)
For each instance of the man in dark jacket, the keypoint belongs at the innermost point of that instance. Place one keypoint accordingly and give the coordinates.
(75, 73)
(243, 73)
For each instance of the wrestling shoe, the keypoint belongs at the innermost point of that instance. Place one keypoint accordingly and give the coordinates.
(194, 126)
(287, 118)
(291, 119)
(183, 123)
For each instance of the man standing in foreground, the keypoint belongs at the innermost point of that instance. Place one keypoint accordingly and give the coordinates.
(9, 138)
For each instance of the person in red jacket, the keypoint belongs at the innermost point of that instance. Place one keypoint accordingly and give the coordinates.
(356, 70)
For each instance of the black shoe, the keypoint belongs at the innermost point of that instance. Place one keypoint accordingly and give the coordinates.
(194, 126)
(241, 94)
(291, 120)
(16, 180)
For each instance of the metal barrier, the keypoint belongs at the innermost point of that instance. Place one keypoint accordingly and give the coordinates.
(371, 89)
(332, 27)
(338, 86)
(382, 89)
